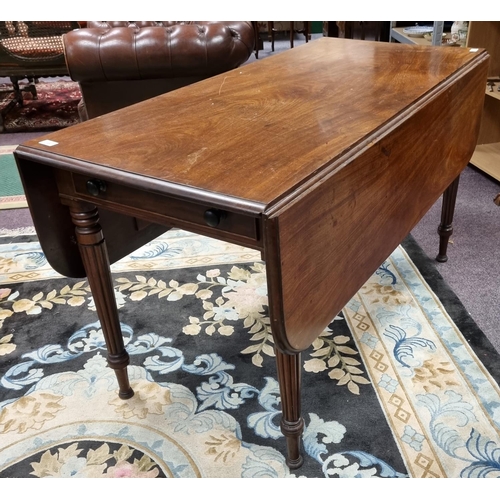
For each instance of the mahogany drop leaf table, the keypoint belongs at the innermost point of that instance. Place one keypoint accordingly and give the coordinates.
(323, 157)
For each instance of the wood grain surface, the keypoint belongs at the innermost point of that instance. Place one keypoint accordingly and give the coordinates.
(258, 132)
(334, 236)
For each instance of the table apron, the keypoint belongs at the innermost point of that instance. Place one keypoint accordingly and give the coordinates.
(162, 209)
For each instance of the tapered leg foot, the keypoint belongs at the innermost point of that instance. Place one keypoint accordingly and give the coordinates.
(127, 394)
(445, 229)
(293, 434)
(124, 389)
(96, 263)
(292, 423)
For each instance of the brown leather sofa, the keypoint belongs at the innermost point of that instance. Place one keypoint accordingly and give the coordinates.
(119, 63)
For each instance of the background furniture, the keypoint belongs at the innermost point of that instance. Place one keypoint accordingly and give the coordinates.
(291, 26)
(373, 30)
(259, 44)
(31, 50)
(487, 154)
(350, 29)
(480, 34)
(121, 63)
(397, 32)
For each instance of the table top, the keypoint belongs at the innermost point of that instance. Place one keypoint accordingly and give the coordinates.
(258, 133)
(324, 157)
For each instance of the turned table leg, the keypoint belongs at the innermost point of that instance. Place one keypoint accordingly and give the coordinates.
(95, 260)
(445, 229)
(292, 424)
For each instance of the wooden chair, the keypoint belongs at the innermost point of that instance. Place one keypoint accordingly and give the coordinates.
(346, 29)
(31, 50)
(306, 30)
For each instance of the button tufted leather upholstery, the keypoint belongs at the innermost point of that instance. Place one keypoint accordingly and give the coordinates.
(118, 63)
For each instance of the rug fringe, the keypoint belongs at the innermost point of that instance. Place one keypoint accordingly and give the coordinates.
(19, 231)
(5, 150)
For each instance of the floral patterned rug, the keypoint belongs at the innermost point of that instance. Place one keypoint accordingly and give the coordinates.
(54, 108)
(392, 388)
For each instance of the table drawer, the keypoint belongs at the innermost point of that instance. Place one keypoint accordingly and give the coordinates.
(154, 207)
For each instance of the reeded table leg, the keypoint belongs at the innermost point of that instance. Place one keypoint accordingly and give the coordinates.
(292, 424)
(445, 229)
(95, 260)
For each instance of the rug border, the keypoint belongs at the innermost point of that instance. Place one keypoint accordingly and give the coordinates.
(10, 202)
(8, 149)
(475, 337)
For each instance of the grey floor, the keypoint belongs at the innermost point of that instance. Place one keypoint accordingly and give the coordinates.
(473, 268)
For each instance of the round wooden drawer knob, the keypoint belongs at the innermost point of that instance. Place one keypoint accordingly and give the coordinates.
(213, 216)
(95, 187)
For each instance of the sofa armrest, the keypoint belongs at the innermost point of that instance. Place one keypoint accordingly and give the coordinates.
(146, 50)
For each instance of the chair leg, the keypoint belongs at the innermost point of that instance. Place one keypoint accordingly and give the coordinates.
(362, 25)
(349, 29)
(32, 87)
(18, 95)
(270, 33)
(17, 98)
(18, 91)
(257, 38)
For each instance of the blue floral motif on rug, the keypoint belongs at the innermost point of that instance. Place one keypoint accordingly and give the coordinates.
(390, 389)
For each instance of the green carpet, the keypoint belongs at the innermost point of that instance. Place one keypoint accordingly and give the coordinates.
(11, 183)
(11, 188)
